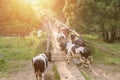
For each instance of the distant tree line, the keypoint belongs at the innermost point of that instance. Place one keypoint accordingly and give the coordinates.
(19, 19)
(101, 17)
(16, 18)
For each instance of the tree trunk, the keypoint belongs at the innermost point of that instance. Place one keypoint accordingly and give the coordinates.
(105, 36)
(117, 34)
(109, 36)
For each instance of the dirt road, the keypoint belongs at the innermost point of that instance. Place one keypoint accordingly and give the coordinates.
(103, 72)
(27, 73)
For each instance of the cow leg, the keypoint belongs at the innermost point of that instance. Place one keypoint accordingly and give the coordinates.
(82, 61)
(42, 76)
(79, 57)
(68, 58)
(89, 65)
(82, 65)
(90, 58)
(37, 75)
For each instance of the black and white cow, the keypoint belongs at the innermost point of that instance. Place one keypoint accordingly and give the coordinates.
(61, 38)
(78, 41)
(40, 64)
(72, 50)
(65, 31)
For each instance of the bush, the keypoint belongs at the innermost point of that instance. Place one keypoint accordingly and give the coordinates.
(2, 65)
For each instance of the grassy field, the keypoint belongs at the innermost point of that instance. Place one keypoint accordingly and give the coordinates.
(101, 56)
(115, 47)
(15, 50)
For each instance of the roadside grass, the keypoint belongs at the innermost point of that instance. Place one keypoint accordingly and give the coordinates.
(57, 77)
(100, 56)
(115, 47)
(14, 50)
(7, 67)
(86, 76)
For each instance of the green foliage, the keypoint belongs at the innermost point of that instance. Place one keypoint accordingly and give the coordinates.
(6, 66)
(115, 60)
(100, 56)
(103, 57)
(42, 45)
(79, 14)
(17, 18)
(96, 40)
(57, 77)
(2, 65)
(87, 77)
(95, 16)
(20, 17)
(16, 48)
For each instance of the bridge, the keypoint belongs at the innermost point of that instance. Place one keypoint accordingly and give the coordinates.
(66, 71)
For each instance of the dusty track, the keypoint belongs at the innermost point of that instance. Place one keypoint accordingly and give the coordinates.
(27, 73)
(103, 72)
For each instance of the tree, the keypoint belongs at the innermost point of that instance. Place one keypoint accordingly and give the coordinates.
(19, 17)
(79, 14)
(108, 11)
(16, 18)
(94, 16)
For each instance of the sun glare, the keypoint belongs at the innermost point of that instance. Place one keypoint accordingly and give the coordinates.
(33, 2)
(39, 6)
(42, 3)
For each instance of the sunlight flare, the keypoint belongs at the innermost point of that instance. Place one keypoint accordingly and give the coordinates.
(33, 2)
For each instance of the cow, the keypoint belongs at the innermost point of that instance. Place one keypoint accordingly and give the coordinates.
(78, 41)
(40, 64)
(72, 50)
(65, 31)
(61, 37)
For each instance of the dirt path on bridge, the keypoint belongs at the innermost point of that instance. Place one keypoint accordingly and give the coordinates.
(68, 71)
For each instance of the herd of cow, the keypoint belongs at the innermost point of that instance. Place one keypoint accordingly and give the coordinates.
(73, 46)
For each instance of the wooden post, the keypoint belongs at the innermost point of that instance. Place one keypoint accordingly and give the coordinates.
(48, 36)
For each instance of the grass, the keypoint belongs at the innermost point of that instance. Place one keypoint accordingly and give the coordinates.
(57, 77)
(115, 47)
(86, 76)
(14, 50)
(2, 65)
(102, 57)
(7, 66)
